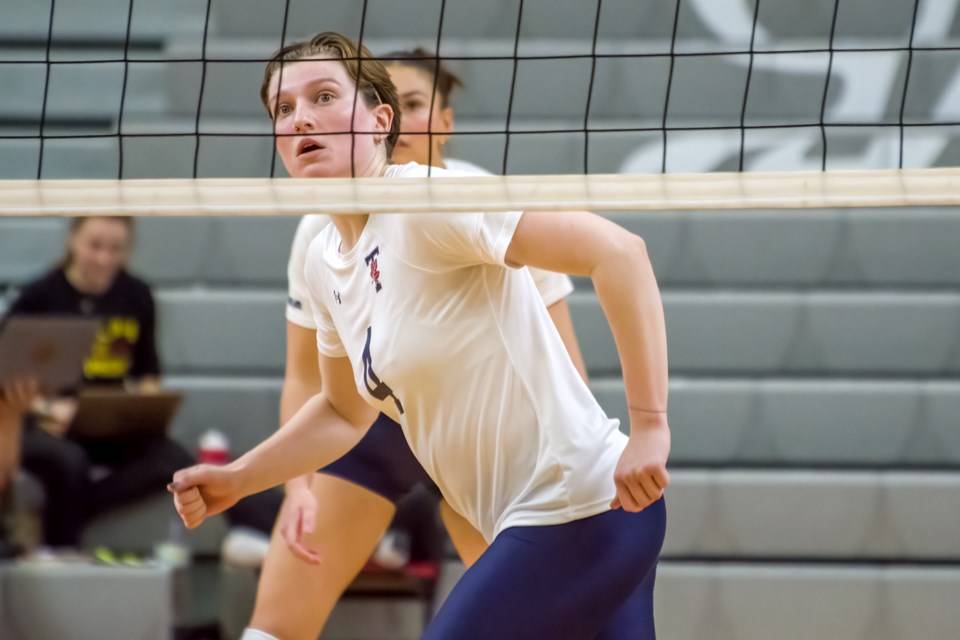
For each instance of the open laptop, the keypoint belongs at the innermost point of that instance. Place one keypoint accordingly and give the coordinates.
(116, 413)
(50, 349)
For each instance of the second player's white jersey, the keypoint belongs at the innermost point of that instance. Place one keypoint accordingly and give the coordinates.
(553, 287)
(458, 349)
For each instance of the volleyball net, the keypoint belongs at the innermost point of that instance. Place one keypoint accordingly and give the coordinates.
(151, 108)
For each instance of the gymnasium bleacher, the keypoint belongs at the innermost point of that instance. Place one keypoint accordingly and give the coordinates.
(815, 354)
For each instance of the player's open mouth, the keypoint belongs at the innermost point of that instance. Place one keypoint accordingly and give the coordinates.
(308, 146)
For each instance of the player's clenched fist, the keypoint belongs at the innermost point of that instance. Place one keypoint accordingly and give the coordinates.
(202, 491)
(641, 474)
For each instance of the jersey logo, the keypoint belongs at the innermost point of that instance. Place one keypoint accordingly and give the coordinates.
(336, 296)
(293, 302)
(371, 261)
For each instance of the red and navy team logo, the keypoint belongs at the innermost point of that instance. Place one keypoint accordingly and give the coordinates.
(371, 261)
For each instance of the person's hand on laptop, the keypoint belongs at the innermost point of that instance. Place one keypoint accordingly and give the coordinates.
(146, 384)
(54, 416)
(16, 398)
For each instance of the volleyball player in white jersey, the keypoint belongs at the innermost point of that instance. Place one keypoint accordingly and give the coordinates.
(344, 509)
(440, 333)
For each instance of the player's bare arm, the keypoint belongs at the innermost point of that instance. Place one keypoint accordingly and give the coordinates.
(582, 243)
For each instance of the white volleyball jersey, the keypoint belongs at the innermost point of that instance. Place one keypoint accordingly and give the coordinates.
(553, 287)
(453, 164)
(298, 301)
(461, 352)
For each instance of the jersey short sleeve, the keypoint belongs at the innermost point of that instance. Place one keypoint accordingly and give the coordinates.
(460, 238)
(553, 287)
(464, 239)
(298, 304)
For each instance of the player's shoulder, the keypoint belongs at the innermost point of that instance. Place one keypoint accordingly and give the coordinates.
(416, 170)
(413, 231)
(465, 166)
(323, 237)
(130, 284)
(44, 282)
(310, 227)
(37, 292)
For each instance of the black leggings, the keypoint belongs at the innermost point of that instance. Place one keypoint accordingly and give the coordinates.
(138, 468)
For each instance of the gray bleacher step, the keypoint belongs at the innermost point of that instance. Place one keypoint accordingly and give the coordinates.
(204, 330)
(739, 422)
(98, 20)
(245, 409)
(76, 159)
(232, 76)
(860, 247)
(769, 333)
(796, 422)
(791, 602)
(818, 514)
(85, 92)
(630, 83)
(419, 19)
(781, 333)
(867, 248)
(28, 246)
(561, 18)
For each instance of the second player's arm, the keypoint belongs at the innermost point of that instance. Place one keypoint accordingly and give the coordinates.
(560, 314)
(301, 381)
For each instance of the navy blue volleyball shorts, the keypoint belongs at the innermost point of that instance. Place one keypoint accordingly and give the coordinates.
(383, 463)
(589, 579)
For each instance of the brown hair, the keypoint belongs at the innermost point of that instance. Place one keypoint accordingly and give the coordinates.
(419, 58)
(78, 221)
(372, 79)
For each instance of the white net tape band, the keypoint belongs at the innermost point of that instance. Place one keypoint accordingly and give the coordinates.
(620, 192)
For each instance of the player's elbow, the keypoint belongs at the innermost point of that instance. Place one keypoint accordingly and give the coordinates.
(627, 249)
(626, 253)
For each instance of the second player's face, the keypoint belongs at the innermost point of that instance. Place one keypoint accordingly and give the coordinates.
(313, 114)
(414, 88)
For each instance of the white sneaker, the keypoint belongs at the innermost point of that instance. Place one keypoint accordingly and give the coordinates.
(245, 547)
(393, 552)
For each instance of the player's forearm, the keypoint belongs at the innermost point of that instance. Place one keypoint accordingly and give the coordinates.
(316, 436)
(634, 310)
(295, 394)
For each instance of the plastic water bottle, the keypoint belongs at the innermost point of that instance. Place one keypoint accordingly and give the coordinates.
(174, 552)
(213, 448)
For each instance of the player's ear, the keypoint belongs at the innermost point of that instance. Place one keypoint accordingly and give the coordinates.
(383, 118)
(446, 119)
